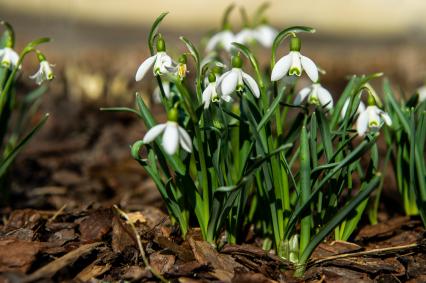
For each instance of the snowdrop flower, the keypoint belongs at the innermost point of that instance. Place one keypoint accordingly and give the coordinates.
(361, 108)
(371, 119)
(210, 93)
(8, 57)
(173, 135)
(316, 94)
(265, 35)
(44, 72)
(245, 36)
(294, 63)
(422, 94)
(166, 89)
(163, 63)
(234, 80)
(222, 39)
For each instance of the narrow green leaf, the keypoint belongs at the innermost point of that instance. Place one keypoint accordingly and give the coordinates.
(338, 218)
(15, 151)
(153, 31)
(271, 110)
(120, 109)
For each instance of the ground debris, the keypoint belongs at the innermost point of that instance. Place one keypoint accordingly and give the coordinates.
(51, 268)
(96, 225)
(18, 255)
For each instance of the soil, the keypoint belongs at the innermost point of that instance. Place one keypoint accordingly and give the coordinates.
(59, 222)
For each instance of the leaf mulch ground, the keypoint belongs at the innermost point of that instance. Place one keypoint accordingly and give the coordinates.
(97, 245)
(58, 223)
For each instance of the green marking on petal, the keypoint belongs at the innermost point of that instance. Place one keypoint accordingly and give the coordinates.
(295, 71)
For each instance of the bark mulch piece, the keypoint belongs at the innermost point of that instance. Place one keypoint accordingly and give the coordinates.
(96, 244)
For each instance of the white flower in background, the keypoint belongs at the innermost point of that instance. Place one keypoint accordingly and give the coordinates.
(161, 62)
(157, 91)
(361, 108)
(422, 94)
(210, 93)
(235, 78)
(316, 94)
(44, 73)
(372, 119)
(8, 57)
(245, 36)
(222, 39)
(173, 135)
(294, 63)
(265, 35)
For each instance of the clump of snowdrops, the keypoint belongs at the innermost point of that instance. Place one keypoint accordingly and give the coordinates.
(230, 157)
(17, 111)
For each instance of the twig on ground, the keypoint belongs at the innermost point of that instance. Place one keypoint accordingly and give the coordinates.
(139, 243)
(370, 252)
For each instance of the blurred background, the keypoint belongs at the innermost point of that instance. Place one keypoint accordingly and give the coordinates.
(353, 36)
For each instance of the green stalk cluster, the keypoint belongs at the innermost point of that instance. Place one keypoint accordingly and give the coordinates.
(289, 177)
(16, 113)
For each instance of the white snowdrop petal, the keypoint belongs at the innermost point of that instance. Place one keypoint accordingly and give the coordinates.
(185, 140)
(310, 68)
(362, 123)
(344, 109)
(244, 36)
(226, 98)
(171, 138)
(251, 84)
(325, 98)
(144, 67)
(361, 107)
(153, 133)
(281, 68)
(373, 115)
(386, 118)
(265, 35)
(213, 41)
(227, 38)
(206, 96)
(301, 95)
(166, 88)
(229, 82)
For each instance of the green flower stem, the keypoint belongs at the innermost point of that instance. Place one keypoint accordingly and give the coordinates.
(204, 177)
(305, 172)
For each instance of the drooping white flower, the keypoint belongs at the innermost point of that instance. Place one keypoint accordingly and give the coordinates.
(422, 94)
(210, 93)
(361, 108)
(8, 57)
(161, 62)
(265, 35)
(294, 63)
(222, 39)
(316, 95)
(166, 89)
(372, 119)
(44, 73)
(174, 135)
(234, 80)
(246, 35)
